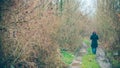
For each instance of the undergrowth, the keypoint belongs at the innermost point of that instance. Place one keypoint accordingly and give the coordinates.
(67, 57)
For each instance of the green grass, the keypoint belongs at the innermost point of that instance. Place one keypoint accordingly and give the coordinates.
(88, 43)
(67, 57)
(89, 51)
(88, 60)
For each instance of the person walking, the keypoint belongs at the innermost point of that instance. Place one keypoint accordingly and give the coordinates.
(94, 44)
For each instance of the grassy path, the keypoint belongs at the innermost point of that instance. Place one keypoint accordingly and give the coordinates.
(85, 58)
(95, 61)
(89, 59)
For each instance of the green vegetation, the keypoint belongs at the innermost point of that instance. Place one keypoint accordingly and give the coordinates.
(89, 51)
(67, 57)
(86, 41)
(88, 60)
(115, 63)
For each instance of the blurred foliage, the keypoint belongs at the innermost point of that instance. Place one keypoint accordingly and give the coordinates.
(108, 18)
(67, 57)
(34, 32)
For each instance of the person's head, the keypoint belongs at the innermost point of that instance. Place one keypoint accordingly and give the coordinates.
(94, 32)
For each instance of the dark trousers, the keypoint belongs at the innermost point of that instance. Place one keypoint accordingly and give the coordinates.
(94, 50)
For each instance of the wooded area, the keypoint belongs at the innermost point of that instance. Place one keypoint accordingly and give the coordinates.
(35, 33)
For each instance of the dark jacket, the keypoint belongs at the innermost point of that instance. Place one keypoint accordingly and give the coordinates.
(94, 38)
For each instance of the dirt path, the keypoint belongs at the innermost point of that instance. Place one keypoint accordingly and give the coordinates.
(78, 59)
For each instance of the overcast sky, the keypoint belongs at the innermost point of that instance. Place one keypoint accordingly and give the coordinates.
(88, 6)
